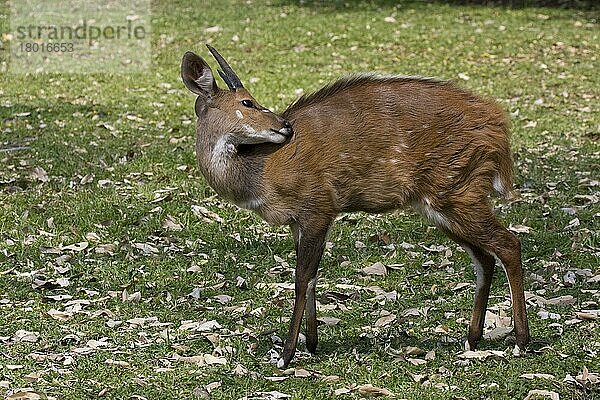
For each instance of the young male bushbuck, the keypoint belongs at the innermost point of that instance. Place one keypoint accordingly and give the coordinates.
(369, 143)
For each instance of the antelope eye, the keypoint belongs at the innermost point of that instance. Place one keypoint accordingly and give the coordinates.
(247, 103)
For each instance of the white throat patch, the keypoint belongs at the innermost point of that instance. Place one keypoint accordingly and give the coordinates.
(221, 154)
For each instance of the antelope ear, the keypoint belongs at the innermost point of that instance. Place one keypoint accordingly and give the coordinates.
(197, 75)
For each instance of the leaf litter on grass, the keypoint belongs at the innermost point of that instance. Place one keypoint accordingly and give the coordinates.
(48, 258)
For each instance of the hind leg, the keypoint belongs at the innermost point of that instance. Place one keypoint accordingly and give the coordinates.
(483, 264)
(475, 226)
(507, 248)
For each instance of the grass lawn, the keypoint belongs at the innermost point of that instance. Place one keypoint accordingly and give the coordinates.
(123, 276)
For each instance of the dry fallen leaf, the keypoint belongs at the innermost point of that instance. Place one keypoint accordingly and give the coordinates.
(541, 394)
(195, 268)
(40, 174)
(369, 390)
(561, 300)
(329, 321)
(414, 351)
(96, 344)
(60, 315)
(212, 386)
(341, 391)
(459, 286)
(191, 359)
(543, 314)
(419, 378)
(26, 336)
(24, 394)
(498, 333)
(222, 298)
(587, 378)
(108, 248)
(481, 354)
(302, 373)
(171, 224)
(211, 360)
(272, 395)
(537, 376)
(519, 228)
(117, 363)
(75, 247)
(205, 326)
(34, 376)
(146, 248)
(240, 370)
(331, 379)
(134, 297)
(588, 314)
(385, 320)
(375, 269)
(206, 215)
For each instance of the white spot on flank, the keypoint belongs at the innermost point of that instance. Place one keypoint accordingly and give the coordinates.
(239, 114)
(499, 185)
(435, 216)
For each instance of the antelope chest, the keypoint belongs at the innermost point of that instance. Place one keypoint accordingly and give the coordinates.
(268, 211)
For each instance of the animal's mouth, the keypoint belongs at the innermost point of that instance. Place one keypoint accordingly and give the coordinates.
(287, 129)
(277, 136)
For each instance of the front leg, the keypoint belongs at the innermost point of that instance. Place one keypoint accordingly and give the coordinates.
(309, 240)
(310, 310)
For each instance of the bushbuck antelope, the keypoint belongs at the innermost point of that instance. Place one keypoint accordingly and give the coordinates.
(369, 143)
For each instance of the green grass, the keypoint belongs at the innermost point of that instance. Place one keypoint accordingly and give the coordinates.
(540, 63)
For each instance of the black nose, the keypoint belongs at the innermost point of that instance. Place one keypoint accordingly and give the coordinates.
(287, 128)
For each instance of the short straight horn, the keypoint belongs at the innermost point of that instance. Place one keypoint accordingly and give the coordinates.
(230, 78)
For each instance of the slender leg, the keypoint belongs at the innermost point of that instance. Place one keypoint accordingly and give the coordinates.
(507, 248)
(311, 316)
(310, 311)
(478, 230)
(483, 264)
(310, 240)
(484, 270)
